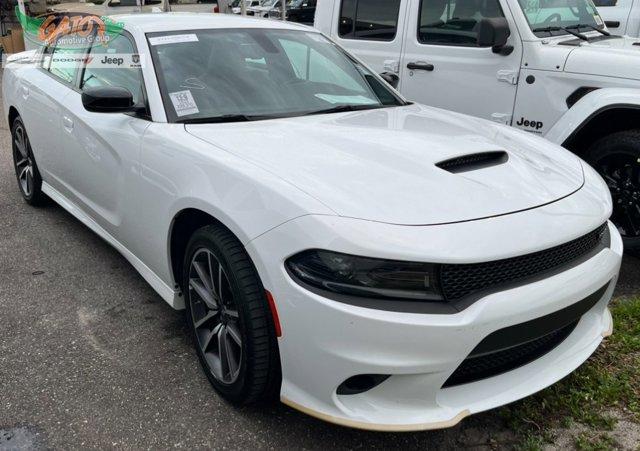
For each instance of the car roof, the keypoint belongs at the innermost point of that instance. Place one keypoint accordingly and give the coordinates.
(178, 21)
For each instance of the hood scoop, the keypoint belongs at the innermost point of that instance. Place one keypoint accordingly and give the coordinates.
(474, 161)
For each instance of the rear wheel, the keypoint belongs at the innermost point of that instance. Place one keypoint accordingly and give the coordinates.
(24, 163)
(229, 317)
(617, 158)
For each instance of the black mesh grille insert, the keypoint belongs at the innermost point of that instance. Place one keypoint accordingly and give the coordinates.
(458, 281)
(484, 366)
(511, 347)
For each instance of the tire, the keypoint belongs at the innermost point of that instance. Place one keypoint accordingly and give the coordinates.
(24, 164)
(254, 375)
(616, 157)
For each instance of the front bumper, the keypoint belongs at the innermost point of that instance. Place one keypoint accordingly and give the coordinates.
(325, 342)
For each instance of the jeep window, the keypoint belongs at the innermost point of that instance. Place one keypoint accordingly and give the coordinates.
(454, 22)
(374, 20)
(250, 74)
(548, 17)
(110, 66)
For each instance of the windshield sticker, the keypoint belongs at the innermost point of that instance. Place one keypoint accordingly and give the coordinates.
(173, 39)
(183, 103)
(353, 100)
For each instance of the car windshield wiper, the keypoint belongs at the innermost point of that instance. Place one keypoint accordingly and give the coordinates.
(568, 30)
(586, 25)
(344, 109)
(220, 119)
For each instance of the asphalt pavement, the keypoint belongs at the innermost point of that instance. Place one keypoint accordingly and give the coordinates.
(92, 357)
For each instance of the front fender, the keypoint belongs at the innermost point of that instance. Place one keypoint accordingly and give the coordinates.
(590, 105)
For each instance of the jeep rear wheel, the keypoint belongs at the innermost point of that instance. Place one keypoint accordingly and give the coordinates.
(617, 158)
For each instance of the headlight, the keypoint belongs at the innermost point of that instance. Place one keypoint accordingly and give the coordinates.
(364, 276)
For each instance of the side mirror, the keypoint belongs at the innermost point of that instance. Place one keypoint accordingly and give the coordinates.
(108, 99)
(345, 26)
(494, 32)
(391, 78)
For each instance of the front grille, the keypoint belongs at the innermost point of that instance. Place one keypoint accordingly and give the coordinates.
(461, 280)
(514, 346)
(482, 367)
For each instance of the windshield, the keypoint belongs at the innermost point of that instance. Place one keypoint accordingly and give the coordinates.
(547, 17)
(259, 74)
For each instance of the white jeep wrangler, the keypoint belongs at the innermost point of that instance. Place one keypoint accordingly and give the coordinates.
(546, 66)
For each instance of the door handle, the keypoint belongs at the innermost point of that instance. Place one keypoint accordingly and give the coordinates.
(67, 122)
(420, 65)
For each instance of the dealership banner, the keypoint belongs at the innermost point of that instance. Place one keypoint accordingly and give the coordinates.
(85, 28)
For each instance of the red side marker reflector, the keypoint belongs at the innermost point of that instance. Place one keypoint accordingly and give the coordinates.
(274, 313)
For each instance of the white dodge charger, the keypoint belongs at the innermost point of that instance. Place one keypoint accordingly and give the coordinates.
(370, 261)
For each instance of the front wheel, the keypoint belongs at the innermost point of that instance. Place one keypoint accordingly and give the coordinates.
(229, 317)
(617, 158)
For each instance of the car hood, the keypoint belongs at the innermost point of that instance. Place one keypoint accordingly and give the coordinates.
(380, 165)
(609, 57)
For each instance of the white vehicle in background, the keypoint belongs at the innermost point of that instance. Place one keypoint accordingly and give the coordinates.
(236, 8)
(110, 7)
(549, 67)
(263, 10)
(621, 17)
(372, 262)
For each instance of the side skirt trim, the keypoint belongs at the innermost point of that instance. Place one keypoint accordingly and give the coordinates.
(167, 293)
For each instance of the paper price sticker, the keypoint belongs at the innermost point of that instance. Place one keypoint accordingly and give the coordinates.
(173, 39)
(183, 103)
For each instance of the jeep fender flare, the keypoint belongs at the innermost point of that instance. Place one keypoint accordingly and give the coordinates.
(588, 108)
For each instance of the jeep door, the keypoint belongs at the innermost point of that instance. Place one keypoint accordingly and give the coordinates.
(443, 66)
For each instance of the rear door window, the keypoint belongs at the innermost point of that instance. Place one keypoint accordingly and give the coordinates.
(66, 57)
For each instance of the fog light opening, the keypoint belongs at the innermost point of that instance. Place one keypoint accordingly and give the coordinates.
(361, 383)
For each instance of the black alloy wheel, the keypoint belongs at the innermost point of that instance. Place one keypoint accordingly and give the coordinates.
(229, 316)
(617, 159)
(27, 174)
